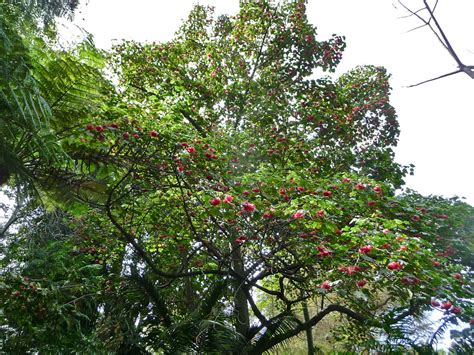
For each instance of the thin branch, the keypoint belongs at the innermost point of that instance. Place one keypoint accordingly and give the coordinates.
(446, 41)
(438, 77)
(255, 66)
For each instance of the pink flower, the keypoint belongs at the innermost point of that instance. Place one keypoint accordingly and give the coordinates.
(446, 305)
(240, 239)
(361, 283)
(298, 214)
(394, 265)
(456, 310)
(191, 150)
(228, 199)
(366, 249)
(320, 213)
(415, 218)
(267, 215)
(248, 207)
(326, 285)
(215, 201)
(323, 252)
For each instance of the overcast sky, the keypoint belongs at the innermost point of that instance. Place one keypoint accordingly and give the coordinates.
(436, 118)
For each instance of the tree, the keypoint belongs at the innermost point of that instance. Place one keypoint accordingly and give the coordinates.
(221, 175)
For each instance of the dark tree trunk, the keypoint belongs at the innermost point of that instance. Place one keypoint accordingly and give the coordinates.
(309, 331)
(241, 310)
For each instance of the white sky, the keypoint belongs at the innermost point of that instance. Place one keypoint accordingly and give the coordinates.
(436, 118)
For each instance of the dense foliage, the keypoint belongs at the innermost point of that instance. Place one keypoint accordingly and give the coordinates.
(221, 186)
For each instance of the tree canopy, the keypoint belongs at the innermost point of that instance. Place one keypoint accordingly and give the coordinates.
(198, 194)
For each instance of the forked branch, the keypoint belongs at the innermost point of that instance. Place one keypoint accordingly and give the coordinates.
(433, 24)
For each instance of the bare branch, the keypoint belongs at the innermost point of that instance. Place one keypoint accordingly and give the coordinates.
(438, 77)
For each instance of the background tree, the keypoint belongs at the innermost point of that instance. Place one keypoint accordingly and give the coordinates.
(221, 176)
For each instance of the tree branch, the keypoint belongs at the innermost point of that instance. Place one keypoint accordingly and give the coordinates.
(438, 77)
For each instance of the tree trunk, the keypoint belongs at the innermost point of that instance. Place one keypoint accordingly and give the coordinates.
(309, 331)
(241, 310)
(189, 290)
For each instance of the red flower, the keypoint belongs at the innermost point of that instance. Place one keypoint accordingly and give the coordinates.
(361, 283)
(191, 150)
(371, 203)
(99, 128)
(215, 201)
(359, 186)
(241, 239)
(394, 265)
(228, 199)
(456, 310)
(320, 213)
(90, 127)
(435, 303)
(153, 134)
(126, 135)
(352, 269)
(346, 180)
(366, 249)
(457, 276)
(378, 189)
(114, 125)
(298, 214)
(446, 305)
(415, 218)
(248, 207)
(323, 252)
(327, 193)
(436, 263)
(326, 285)
(267, 215)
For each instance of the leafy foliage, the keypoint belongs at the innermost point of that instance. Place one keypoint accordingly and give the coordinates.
(220, 186)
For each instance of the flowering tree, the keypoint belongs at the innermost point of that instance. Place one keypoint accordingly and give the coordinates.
(223, 174)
